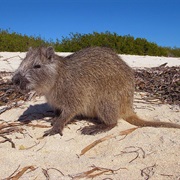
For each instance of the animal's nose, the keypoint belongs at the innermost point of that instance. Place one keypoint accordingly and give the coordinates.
(16, 79)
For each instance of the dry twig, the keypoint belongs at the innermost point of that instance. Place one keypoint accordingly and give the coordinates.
(46, 174)
(20, 173)
(7, 139)
(13, 173)
(90, 146)
(94, 172)
(148, 172)
(136, 151)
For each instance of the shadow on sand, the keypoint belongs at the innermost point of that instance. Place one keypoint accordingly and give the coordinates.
(41, 111)
(37, 112)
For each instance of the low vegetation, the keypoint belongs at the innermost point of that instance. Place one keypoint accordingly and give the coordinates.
(13, 42)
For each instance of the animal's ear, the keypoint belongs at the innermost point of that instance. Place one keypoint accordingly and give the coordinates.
(29, 51)
(50, 52)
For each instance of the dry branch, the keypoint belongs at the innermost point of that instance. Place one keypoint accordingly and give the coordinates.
(9, 128)
(20, 173)
(94, 172)
(15, 124)
(7, 139)
(90, 146)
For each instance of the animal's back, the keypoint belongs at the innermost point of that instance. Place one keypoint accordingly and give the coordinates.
(99, 75)
(100, 64)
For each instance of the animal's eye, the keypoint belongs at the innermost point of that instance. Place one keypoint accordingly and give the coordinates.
(37, 66)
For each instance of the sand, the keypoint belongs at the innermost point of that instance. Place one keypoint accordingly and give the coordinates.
(125, 153)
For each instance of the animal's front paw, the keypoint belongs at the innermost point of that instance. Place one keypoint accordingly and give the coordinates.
(53, 131)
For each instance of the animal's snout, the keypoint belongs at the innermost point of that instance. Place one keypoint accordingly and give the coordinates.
(17, 79)
(20, 81)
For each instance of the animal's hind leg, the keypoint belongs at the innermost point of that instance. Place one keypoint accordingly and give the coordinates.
(108, 114)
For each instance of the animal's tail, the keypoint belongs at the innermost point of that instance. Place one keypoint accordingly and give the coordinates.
(135, 120)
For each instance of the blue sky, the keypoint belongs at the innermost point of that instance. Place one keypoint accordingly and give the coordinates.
(156, 20)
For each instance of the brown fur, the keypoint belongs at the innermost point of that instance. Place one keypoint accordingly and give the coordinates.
(93, 82)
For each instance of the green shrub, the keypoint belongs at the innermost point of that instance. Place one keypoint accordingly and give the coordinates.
(12, 41)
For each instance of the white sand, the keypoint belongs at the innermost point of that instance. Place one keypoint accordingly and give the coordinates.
(146, 152)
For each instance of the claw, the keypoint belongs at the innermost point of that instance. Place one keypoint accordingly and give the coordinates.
(89, 130)
(53, 131)
(96, 129)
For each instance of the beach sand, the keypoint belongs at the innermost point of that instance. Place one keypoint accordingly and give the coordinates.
(125, 152)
